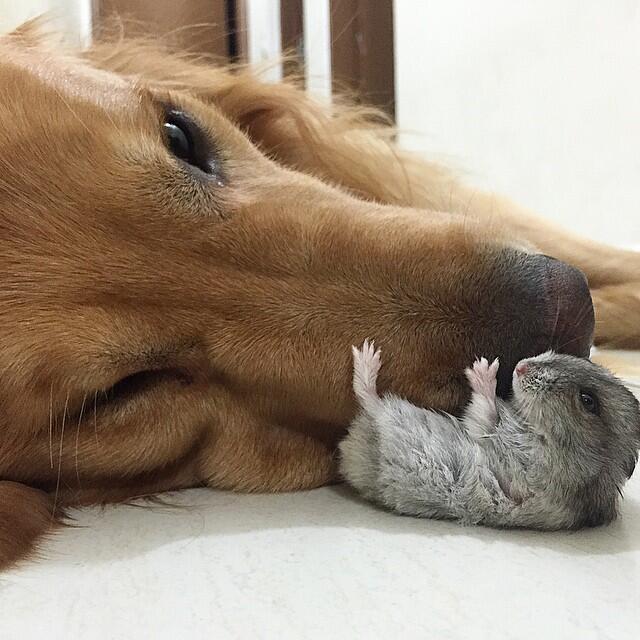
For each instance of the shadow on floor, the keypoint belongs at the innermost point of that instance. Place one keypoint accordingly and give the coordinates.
(116, 533)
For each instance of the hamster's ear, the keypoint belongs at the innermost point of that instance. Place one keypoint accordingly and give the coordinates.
(26, 514)
(629, 465)
(596, 503)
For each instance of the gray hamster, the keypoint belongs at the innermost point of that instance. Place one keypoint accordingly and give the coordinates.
(554, 456)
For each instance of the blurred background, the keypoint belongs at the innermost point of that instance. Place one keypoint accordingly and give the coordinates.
(535, 99)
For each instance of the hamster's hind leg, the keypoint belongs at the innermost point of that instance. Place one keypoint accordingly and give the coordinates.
(359, 451)
(366, 366)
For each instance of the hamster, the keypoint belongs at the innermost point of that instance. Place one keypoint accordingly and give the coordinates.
(554, 456)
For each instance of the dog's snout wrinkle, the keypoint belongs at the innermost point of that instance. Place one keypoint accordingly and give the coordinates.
(570, 307)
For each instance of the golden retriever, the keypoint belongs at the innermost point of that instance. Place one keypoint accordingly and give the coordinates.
(187, 255)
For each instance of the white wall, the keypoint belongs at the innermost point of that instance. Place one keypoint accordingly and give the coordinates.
(264, 40)
(73, 17)
(537, 99)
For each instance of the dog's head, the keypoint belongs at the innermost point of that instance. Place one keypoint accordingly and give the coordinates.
(177, 307)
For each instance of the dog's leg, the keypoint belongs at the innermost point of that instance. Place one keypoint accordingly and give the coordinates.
(273, 458)
(618, 315)
(26, 514)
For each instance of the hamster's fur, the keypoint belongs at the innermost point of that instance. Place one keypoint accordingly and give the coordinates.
(555, 456)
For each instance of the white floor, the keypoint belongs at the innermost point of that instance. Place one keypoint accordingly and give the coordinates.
(321, 564)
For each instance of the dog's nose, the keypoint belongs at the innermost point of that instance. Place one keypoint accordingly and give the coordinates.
(569, 313)
(549, 306)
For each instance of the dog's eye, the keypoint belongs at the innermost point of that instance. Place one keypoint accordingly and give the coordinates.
(178, 141)
(187, 142)
(590, 402)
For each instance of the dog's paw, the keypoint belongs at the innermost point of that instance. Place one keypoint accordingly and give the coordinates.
(482, 377)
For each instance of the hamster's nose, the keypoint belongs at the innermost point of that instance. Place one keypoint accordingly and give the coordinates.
(521, 368)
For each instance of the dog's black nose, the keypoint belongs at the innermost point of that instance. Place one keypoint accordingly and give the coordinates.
(548, 306)
(569, 316)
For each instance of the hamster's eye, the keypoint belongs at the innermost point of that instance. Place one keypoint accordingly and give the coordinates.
(590, 402)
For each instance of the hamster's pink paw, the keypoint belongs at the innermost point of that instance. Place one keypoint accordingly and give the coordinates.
(366, 365)
(482, 377)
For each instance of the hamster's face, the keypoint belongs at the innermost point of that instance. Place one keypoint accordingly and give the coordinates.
(588, 423)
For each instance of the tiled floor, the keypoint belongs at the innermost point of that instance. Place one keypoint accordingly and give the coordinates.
(321, 565)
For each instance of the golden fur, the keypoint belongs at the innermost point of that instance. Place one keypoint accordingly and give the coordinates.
(229, 309)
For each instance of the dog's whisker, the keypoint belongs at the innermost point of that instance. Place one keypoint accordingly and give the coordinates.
(51, 425)
(577, 338)
(60, 451)
(555, 324)
(585, 309)
(95, 417)
(78, 438)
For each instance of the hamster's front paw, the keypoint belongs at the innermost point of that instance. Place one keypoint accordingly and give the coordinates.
(482, 377)
(481, 413)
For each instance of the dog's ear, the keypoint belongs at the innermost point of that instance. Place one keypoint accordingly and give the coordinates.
(35, 32)
(344, 144)
(26, 514)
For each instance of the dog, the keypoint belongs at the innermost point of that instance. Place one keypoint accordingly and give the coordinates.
(182, 246)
